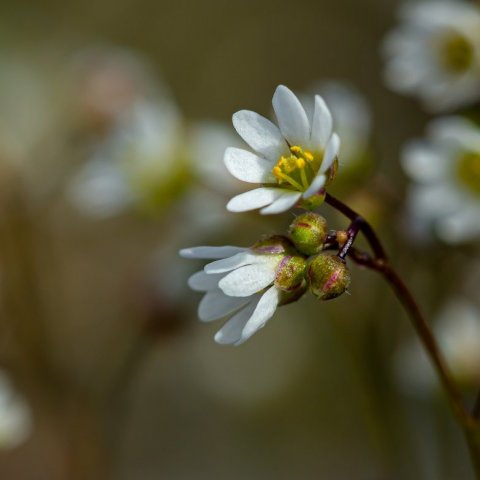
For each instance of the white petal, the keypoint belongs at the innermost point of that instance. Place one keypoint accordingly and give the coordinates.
(321, 125)
(202, 282)
(231, 332)
(291, 116)
(248, 167)
(424, 162)
(210, 252)
(216, 304)
(257, 198)
(317, 183)
(261, 134)
(265, 309)
(331, 153)
(248, 280)
(282, 204)
(228, 264)
(463, 225)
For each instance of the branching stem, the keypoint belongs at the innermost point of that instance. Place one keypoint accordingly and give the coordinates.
(470, 423)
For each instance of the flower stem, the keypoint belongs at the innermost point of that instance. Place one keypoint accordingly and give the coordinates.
(379, 262)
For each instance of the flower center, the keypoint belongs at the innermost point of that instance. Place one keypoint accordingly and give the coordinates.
(457, 52)
(298, 169)
(468, 171)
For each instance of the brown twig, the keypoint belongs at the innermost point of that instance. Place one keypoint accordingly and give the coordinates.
(379, 262)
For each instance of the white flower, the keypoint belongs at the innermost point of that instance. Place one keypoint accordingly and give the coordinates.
(238, 285)
(446, 168)
(293, 161)
(135, 165)
(435, 53)
(15, 415)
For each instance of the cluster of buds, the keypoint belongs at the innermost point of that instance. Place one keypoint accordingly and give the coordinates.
(303, 264)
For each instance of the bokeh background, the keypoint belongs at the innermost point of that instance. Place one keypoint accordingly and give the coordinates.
(98, 330)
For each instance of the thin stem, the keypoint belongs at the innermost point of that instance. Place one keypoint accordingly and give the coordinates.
(423, 330)
(363, 225)
(381, 264)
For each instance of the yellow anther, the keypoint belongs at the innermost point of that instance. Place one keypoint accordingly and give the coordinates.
(308, 155)
(300, 163)
(296, 149)
(277, 171)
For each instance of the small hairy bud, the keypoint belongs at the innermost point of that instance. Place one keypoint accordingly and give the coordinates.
(328, 276)
(273, 245)
(294, 295)
(308, 233)
(314, 201)
(290, 273)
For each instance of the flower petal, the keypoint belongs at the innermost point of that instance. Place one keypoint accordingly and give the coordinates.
(236, 261)
(231, 332)
(263, 312)
(282, 204)
(291, 116)
(321, 125)
(424, 162)
(248, 167)
(248, 280)
(203, 282)
(253, 199)
(210, 252)
(216, 304)
(261, 134)
(331, 153)
(317, 183)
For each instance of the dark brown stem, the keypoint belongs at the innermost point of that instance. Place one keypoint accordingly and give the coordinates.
(363, 225)
(423, 330)
(381, 264)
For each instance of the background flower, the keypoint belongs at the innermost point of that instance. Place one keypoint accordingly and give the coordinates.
(435, 53)
(446, 171)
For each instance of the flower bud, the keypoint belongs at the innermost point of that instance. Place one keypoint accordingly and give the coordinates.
(314, 201)
(328, 276)
(294, 295)
(273, 245)
(290, 273)
(308, 233)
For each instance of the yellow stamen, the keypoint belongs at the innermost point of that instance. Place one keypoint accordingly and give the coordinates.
(298, 169)
(308, 155)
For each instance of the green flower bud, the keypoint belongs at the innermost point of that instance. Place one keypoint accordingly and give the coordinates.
(290, 273)
(294, 295)
(308, 233)
(274, 245)
(313, 202)
(328, 276)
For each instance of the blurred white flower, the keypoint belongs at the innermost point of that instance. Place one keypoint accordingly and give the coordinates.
(446, 171)
(457, 329)
(135, 166)
(294, 160)
(145, 156)
(352, 119)
(435, 53)
(246, 284)
(15, 415)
